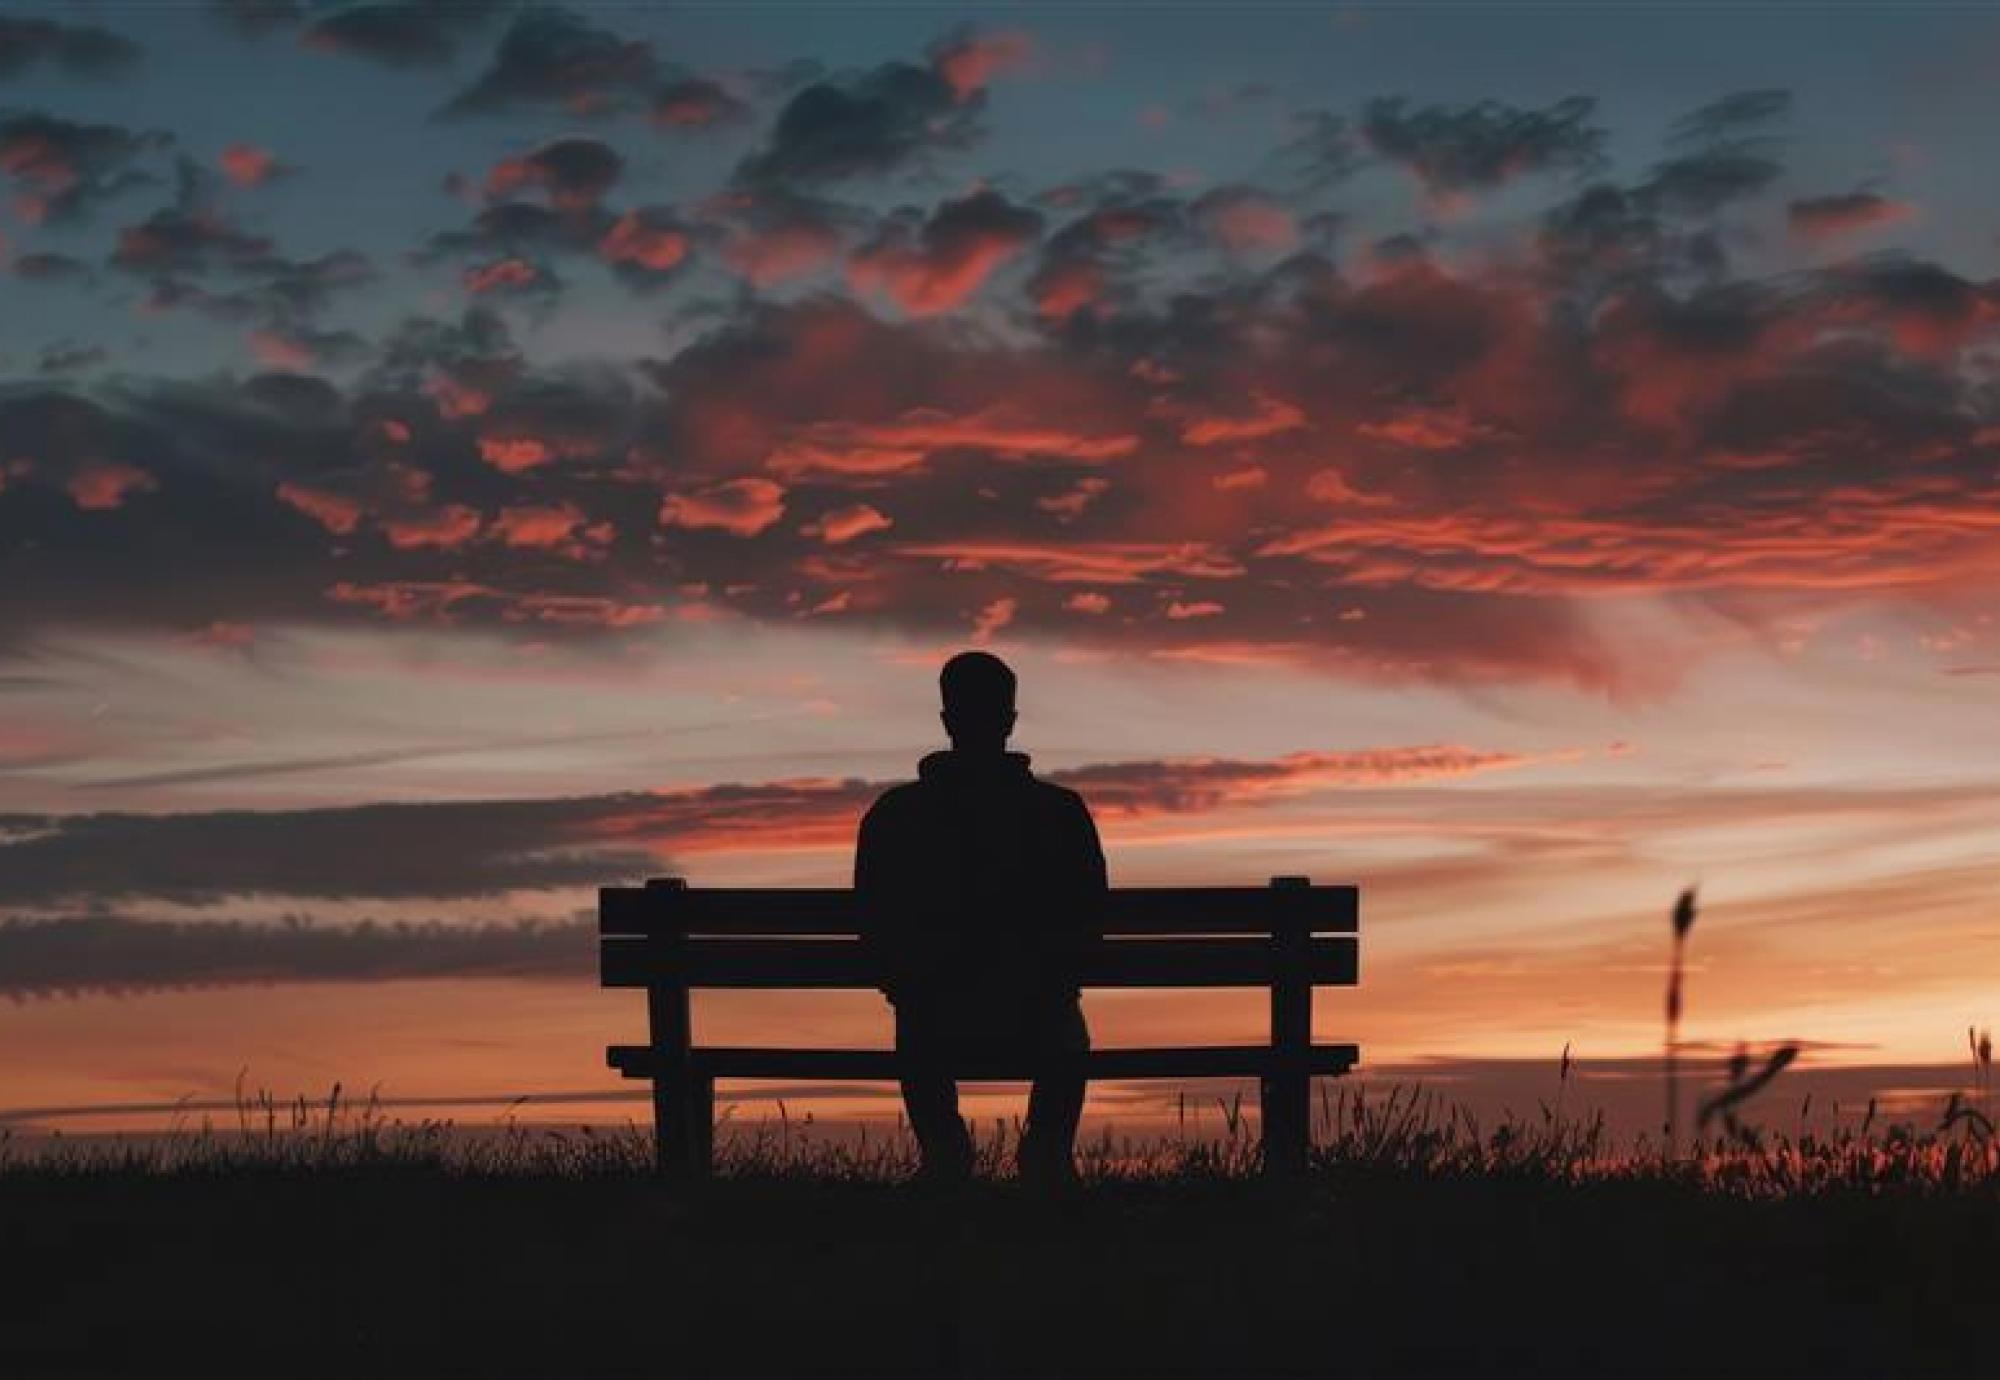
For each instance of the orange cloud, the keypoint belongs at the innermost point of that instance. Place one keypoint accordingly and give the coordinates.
(445, 529)
(538, 527)
(337, 513)
(781, 253)
(98, 486)
(500, 276)
(970, 63)
(1268, 417)
(1110, 563)
(741, 507)
(948, 260)
(632, 240)
(247, 165)
(845, 524)
(1829, 217)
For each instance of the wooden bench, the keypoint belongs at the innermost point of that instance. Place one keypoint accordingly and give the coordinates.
(671, 939)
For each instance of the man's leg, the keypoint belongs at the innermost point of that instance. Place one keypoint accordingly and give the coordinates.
(1055, 1107)
(930, 1096)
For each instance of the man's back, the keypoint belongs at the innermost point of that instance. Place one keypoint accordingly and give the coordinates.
(979, 882)
(980, 889)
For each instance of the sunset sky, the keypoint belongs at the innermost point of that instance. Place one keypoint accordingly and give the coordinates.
(1521, 459)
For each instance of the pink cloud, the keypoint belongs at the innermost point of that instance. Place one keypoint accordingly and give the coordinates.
(337, 513)
(247, 165)
(446, 528)
(1244, 220)
(968, 64)
(945, 263)
(1824, 218)
(101, 485)
(538, 526)
(1268, 417)
(843, 525)
(781, 253)
(502, 275)
(634, 240)
(993, 617)
(741, 507)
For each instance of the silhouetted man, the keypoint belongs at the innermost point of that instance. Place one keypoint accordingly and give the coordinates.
(980, 889)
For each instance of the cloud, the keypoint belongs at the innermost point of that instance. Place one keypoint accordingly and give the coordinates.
(60, 169)
(552, 59)
(551, 527)
(574, 173)
(415, 851)
(247, 165)
(941, 264)
(696, 103)
(256, 18)
(97, 486)
(770, 239)
(77, 50)
(395, 33)
(740, 507)
(1738, 115)
(1404, 463)
(338, 514)
(185, 239)
(1455, 151)
(1244, 220)
(970, 60)
(882, 120)
(1822, 218)
(116, 955)
(646, 246)
(843, 525)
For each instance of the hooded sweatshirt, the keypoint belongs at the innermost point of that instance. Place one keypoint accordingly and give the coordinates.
(979, 883)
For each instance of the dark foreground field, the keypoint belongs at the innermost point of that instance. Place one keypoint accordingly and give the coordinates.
(1439, 1254)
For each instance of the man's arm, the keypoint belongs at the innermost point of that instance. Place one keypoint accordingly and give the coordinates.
(874, 870)
(1084, 884)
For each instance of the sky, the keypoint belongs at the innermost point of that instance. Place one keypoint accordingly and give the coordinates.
(1523, 460)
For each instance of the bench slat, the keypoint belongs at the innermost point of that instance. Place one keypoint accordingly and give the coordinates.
(832, 911)
(879, 1065)
(782, 964)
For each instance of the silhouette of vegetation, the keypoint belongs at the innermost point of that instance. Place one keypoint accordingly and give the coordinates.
(327, 1238)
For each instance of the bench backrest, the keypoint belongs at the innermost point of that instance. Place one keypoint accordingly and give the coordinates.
(667, 933)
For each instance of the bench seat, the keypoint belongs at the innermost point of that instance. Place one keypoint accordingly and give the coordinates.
(879, 1065)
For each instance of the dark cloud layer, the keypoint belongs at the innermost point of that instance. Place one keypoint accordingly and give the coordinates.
(80, 50)
(1453, 150)
(886, 119)
(395, 33)
(552, 59)
(116, 955)
(60, 169)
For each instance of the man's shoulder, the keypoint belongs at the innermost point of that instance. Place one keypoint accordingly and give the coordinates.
(1059, 798)
(897, 800)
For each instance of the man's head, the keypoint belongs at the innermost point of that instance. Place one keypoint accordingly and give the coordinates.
(978, 691)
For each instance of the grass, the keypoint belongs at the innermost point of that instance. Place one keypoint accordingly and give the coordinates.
(328, 1239)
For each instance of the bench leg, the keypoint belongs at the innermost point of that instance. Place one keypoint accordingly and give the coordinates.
(1287, 1114)
(684, 1125)
(701, 1124)
(671, 1143)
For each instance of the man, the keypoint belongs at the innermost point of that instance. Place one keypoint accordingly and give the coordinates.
(980, 892)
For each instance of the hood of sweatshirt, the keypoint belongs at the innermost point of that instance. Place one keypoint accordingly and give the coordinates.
(954, 769)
